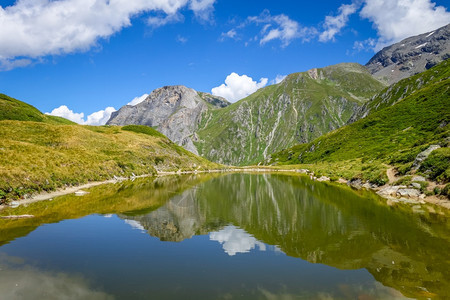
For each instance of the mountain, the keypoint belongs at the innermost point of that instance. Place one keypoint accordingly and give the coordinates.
(39, 152)
(397, 92)
(175, 111)
(411, 56)
(297, 110)
(392, 135)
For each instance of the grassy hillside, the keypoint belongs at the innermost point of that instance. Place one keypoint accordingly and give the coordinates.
(37, 156)
(13, 109)
(408, 86)
(393, 135)
(301, 108)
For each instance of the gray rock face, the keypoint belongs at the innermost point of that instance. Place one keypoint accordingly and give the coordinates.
(423, 155)
(175, 111)
(410, 56)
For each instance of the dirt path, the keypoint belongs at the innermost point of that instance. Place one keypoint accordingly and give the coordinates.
(391, 175)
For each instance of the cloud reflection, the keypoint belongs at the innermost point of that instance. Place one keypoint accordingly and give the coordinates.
(235, 240)
(19, 281)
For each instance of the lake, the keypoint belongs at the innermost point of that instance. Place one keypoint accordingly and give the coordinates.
(225, 236)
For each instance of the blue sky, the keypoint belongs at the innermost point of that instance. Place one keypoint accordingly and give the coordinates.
(68, 52)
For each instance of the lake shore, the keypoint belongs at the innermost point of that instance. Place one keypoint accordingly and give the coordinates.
(43, 196)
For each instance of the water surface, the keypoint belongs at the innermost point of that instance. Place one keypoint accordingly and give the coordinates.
(236, 236)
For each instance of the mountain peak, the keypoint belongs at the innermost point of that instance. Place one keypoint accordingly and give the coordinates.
(411, 56)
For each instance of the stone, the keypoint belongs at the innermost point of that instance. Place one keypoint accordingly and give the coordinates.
(14, 204)
(323, 178)
(423, 155)
(388, 191)
(418, 178)
(408, 193)
(81, 193)
(416, 185)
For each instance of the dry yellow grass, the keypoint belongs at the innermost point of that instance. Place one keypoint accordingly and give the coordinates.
(37, 156)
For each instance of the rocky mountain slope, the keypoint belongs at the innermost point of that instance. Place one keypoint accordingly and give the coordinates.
(173, 110)
(392, 135)
(411, 56)
(297, 110)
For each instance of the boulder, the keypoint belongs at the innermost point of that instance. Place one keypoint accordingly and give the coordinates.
(418, 178)
(416, 185)
(411, 193)
(323, 178)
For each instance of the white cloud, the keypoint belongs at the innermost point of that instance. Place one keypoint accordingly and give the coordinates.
(137, 100)
(231, 34)
(279, 27)
(235, 240)
(237, 87)
(65, 112)
(35, 28)
(278, 79)
(202, 9)
(135, 225)
(399, 19)
(366, 45)
(100, 117)
(333, 25)
(181, 39)
(95, 119)
(162, 20)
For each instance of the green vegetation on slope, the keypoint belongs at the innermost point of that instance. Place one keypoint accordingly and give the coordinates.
(13, 109)
(302, 107)
(397, 92)
(36, 156)
(393, 135)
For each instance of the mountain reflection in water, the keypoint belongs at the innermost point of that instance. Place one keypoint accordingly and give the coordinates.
(250, 216)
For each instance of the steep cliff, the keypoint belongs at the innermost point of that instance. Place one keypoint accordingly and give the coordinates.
(173, 110)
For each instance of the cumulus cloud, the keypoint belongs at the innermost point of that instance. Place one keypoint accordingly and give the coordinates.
(278, 79)
(334, 24)
(31, 29)
(95, 119)
(235, 240)
(137, 100)
(280, 27)
(399, 19)
(237, 87)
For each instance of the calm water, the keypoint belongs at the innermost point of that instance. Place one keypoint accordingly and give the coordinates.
(233, 236)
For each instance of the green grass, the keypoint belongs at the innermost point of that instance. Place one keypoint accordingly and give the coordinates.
(13, 109)
(143, 129)
(393, 135)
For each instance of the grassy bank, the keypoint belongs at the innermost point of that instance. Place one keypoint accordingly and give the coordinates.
(36, 156)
